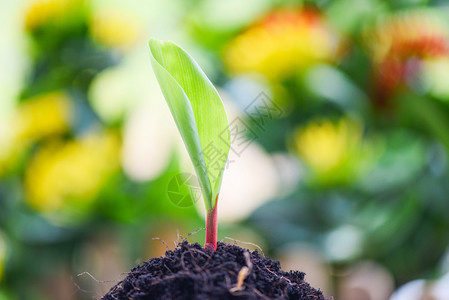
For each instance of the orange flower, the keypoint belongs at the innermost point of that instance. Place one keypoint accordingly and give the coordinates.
(282, 43)
(398, 44)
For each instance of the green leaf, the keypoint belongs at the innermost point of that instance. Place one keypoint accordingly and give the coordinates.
(198, 112)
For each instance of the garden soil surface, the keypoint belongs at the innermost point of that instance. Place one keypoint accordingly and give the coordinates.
(230, 272)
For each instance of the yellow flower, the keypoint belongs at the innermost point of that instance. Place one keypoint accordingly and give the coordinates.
(330, 149)
(115, 28)
(69, 175)
(282, 43)
(42, 116)
(37, 118)
(42, 12)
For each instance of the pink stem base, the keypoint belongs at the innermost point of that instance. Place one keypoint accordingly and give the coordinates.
(211, 228)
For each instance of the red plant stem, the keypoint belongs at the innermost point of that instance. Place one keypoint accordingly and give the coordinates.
(211, 228)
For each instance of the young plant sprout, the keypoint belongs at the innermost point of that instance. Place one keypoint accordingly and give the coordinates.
(201, 119)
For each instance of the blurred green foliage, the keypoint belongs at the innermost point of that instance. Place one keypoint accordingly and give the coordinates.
(362, 86)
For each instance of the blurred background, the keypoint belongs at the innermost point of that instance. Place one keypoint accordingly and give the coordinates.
(347, 179)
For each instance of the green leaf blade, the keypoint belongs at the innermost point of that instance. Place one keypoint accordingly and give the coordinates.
(198, 112)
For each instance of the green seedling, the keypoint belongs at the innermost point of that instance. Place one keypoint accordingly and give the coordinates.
(201, 119)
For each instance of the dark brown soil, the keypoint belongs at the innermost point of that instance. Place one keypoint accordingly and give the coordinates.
(191, 272)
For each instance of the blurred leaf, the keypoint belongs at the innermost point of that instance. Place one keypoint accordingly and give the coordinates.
(340, 88)
(198, 112)
(426, 114)
(401, 161)
(348, 16)
(213, 23)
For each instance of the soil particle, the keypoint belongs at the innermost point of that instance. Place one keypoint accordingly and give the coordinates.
(191, 272)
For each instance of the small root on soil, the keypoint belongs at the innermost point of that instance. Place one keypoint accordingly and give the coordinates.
(243, 273)
(246, 243)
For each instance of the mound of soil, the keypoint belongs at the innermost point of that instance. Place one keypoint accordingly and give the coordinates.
(230, 272)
